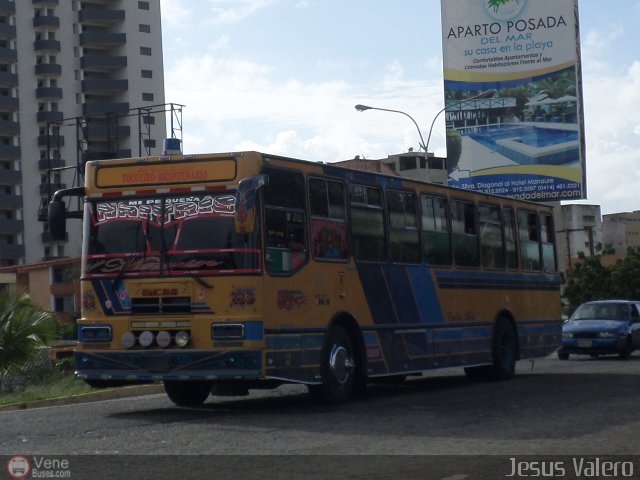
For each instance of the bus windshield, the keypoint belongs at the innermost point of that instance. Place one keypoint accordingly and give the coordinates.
(175, 235)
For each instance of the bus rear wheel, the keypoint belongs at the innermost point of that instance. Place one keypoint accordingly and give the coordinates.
(504, 352)
(338, 368)
(187, 393)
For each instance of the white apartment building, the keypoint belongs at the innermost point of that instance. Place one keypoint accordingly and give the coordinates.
(70, 73)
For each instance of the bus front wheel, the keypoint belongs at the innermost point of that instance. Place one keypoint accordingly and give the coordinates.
(187, 393)
(338, 368)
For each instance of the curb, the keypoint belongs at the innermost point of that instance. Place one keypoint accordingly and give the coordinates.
(107, 394)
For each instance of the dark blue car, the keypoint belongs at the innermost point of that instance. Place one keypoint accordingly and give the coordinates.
(601, 328)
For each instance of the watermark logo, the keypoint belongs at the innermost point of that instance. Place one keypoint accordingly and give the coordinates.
(18, 467)
(504, 9)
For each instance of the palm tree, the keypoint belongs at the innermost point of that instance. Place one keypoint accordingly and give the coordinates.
(24, 326)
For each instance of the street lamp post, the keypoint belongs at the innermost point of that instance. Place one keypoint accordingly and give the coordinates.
(362, 108)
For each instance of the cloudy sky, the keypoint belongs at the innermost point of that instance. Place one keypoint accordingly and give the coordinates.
(283, 76)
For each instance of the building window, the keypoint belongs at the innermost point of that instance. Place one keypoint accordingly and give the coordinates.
(145, 51)
(147, 73)
(143, 5)
(144, 28)
(147, 97)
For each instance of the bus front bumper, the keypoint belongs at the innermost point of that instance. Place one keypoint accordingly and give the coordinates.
(145, 365)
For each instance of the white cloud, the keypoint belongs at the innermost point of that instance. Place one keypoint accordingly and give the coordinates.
(233, 11)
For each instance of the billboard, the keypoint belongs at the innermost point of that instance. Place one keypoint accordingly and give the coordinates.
(513, 98)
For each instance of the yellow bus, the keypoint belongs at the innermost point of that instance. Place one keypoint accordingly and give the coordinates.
(224, 272)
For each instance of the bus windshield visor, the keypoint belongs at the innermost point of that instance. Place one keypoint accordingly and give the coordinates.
(178, 235)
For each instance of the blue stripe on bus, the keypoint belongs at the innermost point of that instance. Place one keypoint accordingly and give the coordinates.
(400, 294)
(425, 295)
(496, 281)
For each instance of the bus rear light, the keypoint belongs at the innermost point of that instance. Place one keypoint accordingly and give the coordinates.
(128, 340)
(163, 339)
(146, 338)
(182, 339)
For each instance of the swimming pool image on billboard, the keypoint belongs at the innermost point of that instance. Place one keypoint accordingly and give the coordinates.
(528, 144)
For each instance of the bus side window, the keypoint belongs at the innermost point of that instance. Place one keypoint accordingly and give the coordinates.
(284, 217)
(436, 242)
(510, 238)
(528, 229)
(465, 235)
(547, 238)
(328, 219)
(491, 244)
(367, 223)
(403, 227)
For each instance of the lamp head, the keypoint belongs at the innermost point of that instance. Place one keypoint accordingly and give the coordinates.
(362, 108)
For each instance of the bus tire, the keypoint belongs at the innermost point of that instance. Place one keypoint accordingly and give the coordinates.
(338, 368)
(187, 393)
(504, 350)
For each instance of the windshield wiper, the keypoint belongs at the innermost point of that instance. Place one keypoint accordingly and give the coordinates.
(195, 276)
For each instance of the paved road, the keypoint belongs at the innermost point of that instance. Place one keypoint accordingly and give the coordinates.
(579, 407)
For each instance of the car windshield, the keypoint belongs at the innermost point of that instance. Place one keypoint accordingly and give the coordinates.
(601, 311)
(191, 234)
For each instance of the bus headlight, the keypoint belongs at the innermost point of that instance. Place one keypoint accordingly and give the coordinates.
(128, 340)
(182, 338)
(163, 339)
(146, 338)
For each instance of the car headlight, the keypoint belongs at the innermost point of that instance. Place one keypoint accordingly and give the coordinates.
(567, 335)
(607, 334)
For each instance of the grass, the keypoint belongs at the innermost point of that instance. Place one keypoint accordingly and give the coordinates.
(58, 385)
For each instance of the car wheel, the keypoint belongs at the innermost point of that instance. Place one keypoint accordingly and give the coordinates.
(627, 349)
(563, 355)
(187, 393)
(338, 368)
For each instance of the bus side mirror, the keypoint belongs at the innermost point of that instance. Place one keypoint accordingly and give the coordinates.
(57, 217)
(246, 205)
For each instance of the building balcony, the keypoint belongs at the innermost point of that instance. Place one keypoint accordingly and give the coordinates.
(45, 3)
(103, 108)
(8, 250)
(47, 238)
(10, 177)
(7, 7)
(51, 188)
(104, 154)
(51, 117)
(50, 141)
(100, 18)
(9, 128)
(8, 56)
(7, 32)
(10, 202)
(9, 104)
(104, 133)
(46, 46)
(46, 22)
(8, 152)
(49, 69)
(49, 163)
(104, 86)
(10, 227)
(48, 93)
(8, 79)
(102, 63)
(99, 40)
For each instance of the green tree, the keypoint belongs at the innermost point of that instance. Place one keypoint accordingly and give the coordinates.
(24, 326)
(625, 276)
(589, 280)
